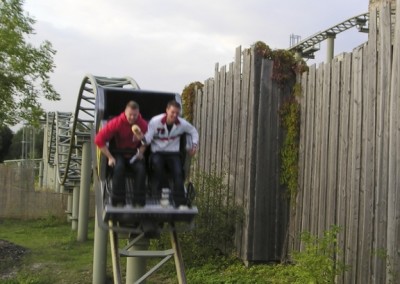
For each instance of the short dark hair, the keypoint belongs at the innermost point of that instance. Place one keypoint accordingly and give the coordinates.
(174, 104)
(132, 105)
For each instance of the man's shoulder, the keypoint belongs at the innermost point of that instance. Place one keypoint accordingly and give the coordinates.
(157, 118)
(116, 119)
(183, 121)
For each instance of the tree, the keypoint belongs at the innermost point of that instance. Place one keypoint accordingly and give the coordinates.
(24, 69)
(6, 136)
(30, 136)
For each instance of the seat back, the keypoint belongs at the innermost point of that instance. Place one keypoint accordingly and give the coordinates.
(111, 102)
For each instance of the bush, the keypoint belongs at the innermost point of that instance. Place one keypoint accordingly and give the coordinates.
(316, 263)
(214, 228)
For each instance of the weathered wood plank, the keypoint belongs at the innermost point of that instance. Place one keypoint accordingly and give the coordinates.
(256, 219)
(215, 118)
(204, 158)
(196, 106)
(343, 154)
(355, 164)
(323, 167)
(315, 189)
(210, 122)
(228, 128)
(221, 129)
(203, 122)
(281, 195)
(332, 169)
(382, 141)
(368, 153)
(235, 138)
(263, 203)
(308, 154)
(393, 228)
(298, 210)
(237, 73)
(243, 148)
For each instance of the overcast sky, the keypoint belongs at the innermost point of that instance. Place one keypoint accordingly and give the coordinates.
(166, 45)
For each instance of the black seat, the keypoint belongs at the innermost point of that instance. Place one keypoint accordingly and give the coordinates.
(110, 103)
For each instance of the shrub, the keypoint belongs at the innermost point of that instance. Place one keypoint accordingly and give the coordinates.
(317, 263)
(214, 228)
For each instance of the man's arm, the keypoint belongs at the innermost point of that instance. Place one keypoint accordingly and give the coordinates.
(192, 131)
(151, 130)
(102, 137)
(106, 152)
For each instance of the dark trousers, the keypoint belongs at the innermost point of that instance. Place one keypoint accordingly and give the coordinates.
(172, 162)
(138, 169)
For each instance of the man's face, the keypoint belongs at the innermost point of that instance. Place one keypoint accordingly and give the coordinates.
(131, 115)
(172, 114)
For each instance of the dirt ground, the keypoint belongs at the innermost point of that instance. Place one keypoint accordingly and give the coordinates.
(10, 258)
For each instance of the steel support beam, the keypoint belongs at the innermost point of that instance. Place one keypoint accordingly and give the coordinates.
(330, 47)
(86, 174)
(75, 208)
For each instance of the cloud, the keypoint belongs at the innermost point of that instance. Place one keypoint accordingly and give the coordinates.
(165, 45)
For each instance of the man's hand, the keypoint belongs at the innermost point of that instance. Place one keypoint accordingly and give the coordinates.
(193, 151)
(111, 162)
(140, 153)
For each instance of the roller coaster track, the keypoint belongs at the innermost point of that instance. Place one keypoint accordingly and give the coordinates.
(68, 131)
(308, 46)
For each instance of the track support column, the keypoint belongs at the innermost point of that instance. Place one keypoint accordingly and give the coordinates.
(69, 207)
(75, 208)
(86, 173)
(100, 246)
(330, 47)
(136, 266)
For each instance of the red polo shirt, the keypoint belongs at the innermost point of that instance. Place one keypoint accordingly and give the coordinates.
(120, 129)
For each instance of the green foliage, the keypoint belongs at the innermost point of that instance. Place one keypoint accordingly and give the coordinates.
(285, 69)
(290, 116)
(24, 69)
(6, 136)
(316, 263)
(56, 257)
(188, 98)
(215, 225)
(285, 65)
(213, 233)
(15, 150)
(391, 266)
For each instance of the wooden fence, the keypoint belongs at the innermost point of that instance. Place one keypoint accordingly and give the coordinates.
(350, 154)
(236, 114)
(20, 200)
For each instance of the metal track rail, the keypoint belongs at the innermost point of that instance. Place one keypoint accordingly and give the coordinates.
(68, 131)
(309, 45)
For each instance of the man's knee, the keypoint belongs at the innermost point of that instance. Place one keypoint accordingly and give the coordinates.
(157, 162)
(140, 168)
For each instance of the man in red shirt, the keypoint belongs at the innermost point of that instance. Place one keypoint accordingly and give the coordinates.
(127, 144)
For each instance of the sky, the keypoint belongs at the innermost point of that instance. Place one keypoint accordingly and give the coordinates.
(167, 44)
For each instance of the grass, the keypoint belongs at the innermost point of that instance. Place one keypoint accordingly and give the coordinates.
(54, 254)
(56, 257)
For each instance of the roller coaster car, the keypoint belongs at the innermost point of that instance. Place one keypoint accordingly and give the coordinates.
(110, 102)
